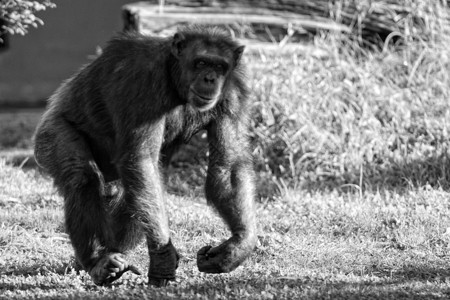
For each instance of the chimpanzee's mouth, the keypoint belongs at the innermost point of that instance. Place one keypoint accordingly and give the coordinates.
(201, 103)
(202, 98)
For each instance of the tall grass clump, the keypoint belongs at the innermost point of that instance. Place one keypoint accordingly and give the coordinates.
(359, 115)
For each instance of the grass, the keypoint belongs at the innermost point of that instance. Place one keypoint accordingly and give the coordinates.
(351, 148)
(315, 246)
(355, 117)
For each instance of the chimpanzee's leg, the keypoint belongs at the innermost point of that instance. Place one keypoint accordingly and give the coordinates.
(127, 231)
(63, 152)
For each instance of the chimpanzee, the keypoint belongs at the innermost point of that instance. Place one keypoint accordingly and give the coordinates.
(107, 129)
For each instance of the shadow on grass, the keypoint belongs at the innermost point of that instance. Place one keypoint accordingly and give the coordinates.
(411, 282)
(408, 283)
(27, 286)
(188, 167)
(187, 171)
(398, 176)
(414, 273)
(45, 268)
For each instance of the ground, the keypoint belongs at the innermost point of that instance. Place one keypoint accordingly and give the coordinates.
(311, 245)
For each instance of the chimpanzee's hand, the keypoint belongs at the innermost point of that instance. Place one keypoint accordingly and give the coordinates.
(110, 268)
(224, 258)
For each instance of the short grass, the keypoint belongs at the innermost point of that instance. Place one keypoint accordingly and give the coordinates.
(316, 246)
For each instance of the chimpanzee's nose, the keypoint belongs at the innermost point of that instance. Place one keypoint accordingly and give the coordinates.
(210, 78)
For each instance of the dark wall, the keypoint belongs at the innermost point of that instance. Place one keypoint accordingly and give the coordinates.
(35, 64)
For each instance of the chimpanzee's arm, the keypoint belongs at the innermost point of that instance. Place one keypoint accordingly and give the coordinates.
(230, 188)
(144, 199)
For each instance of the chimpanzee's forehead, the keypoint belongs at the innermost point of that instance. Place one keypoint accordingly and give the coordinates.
(211, 48)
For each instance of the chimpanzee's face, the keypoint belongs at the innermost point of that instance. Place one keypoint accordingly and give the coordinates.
(207, 72)
(204, 71)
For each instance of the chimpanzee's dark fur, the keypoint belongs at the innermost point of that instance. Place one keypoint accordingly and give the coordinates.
(106, 129)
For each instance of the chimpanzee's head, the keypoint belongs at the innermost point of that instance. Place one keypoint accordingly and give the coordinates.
(207, 56)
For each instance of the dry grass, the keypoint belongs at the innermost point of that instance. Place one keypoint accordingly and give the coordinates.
(382, 17)
(355, 117)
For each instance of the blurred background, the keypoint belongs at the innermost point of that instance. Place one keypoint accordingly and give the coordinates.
(33, 65)
(347, 95)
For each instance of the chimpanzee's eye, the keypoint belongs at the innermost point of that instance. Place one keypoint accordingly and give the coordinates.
(221, 68)
(200, 64)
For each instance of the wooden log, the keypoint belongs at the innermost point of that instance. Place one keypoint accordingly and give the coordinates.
(150, 19)
(372, 17)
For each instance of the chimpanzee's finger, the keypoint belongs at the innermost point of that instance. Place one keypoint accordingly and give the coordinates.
(134, 269)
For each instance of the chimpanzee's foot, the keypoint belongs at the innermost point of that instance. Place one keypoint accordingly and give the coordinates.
(163, 264)
(110, 268)
(224, 258)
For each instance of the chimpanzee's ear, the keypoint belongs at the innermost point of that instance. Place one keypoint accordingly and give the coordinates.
(178, 44)
(238, 53)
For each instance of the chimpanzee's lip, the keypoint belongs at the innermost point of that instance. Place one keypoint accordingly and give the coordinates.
(204, 99)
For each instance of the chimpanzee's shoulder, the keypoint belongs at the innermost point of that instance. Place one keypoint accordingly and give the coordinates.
(134, 42)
